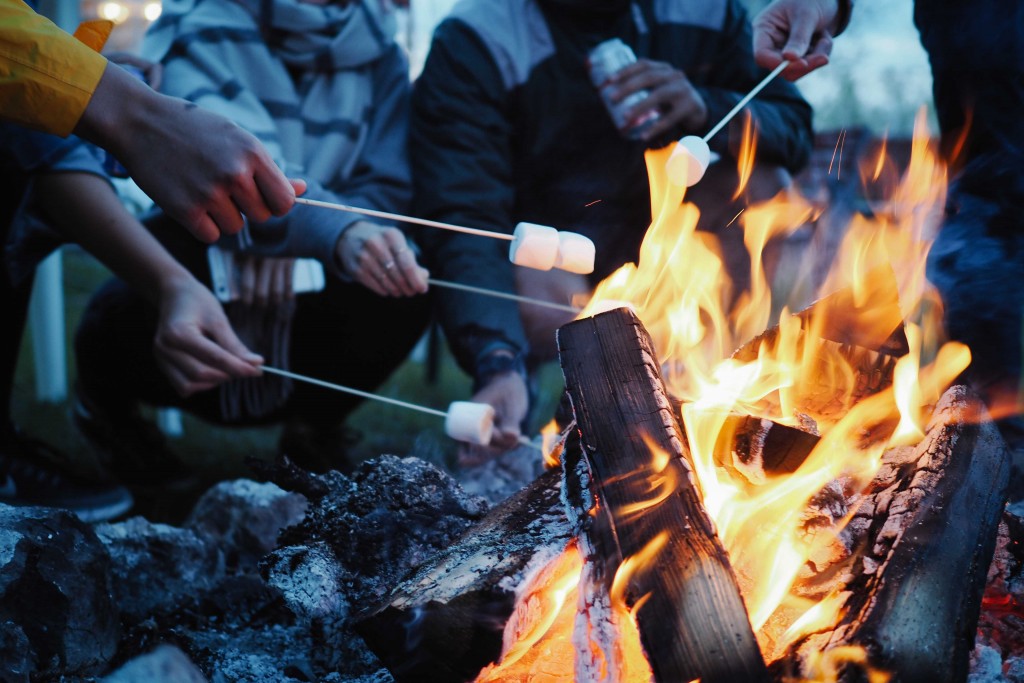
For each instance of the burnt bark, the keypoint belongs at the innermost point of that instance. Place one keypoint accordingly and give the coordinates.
(695, 624)
(922, 540)
(445, 621)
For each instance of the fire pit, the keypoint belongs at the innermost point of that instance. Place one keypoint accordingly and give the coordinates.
(813, 501)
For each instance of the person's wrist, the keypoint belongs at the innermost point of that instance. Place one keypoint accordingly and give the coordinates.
(118, 106)
(495, 363)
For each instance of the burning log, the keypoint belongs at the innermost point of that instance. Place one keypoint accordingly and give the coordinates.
(694, 624)
(864, 328)
(446, 621)
(920, 543)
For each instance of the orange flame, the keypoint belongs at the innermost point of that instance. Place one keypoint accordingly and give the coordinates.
(538, 633)
(745, 159)
(826, 667)
(551, 444)
(810, 370)
(860, 369)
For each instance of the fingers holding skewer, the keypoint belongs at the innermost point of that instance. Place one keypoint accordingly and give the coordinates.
(379, 258)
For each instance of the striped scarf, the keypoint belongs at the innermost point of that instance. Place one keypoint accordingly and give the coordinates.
(296, 75)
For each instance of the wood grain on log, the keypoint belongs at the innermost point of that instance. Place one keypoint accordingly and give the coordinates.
(695, 624)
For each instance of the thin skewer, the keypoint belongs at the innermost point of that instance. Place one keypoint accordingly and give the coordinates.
(354, 392)
(404, 219)
(504, 295)
(376, 397)
(746, 98)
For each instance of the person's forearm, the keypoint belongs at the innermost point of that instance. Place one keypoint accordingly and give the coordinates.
(87, 210)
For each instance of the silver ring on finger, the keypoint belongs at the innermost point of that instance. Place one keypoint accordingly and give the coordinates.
(389, 265)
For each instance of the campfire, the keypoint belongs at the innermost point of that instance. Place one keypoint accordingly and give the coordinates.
(755, 490)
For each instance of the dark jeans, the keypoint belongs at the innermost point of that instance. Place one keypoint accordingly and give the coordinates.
(345, 335)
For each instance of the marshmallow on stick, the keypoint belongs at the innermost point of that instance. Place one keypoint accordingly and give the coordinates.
(575, 253)
(464, 421)
(533, 245)
(470, 422)
(692, 156)
(689, 161)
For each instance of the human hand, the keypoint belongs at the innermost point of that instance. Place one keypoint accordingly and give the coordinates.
(264, 280)
(796, 30)
(204, 170)
(194, 343)
(379, 258)
(507, 393)
(670, 94)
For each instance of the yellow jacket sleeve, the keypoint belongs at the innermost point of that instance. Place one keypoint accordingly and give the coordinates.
(47, 77)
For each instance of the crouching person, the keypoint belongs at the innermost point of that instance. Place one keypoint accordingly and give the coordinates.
(326, 89)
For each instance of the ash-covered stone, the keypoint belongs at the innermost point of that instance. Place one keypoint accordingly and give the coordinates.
(165, 664)
(65, 587)
(392, 515)
(158, 567)
(55, 599)
(310, 580)
(504, 475)
(15, 654)
(244, 517)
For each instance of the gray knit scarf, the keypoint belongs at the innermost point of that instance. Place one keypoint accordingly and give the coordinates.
(296, 75)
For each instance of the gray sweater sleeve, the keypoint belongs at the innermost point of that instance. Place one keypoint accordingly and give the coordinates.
(380, 178)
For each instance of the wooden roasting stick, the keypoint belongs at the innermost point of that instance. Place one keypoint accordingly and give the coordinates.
(694, 624)
(692, 155)
(532, 245)
(404, 219)
(464, 421)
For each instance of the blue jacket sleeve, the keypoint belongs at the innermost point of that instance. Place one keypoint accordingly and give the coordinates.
(462, 170)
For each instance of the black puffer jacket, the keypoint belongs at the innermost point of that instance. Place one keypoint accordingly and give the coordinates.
(507, 128)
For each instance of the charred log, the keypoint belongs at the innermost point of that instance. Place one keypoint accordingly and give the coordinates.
(920, 544)
(695, 624)
(446, 620)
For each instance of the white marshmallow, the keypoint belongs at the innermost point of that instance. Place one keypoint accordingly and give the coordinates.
(575, 253)
(534, 246)
(690, 159)
(469, 421)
